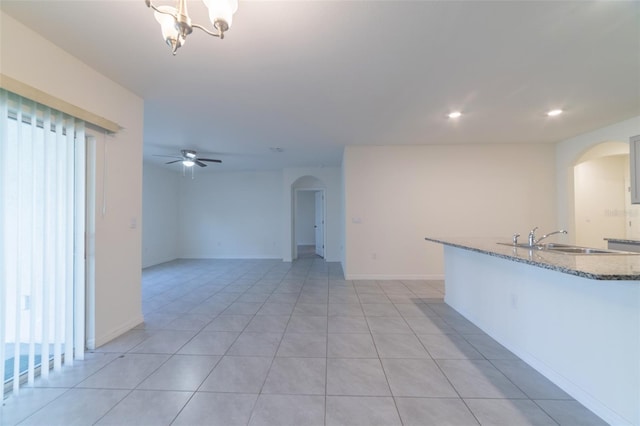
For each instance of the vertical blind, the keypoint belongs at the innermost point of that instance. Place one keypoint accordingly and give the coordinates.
(42, 216)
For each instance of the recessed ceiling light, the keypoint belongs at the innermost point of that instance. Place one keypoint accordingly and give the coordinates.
(554, 112)
(455, 114)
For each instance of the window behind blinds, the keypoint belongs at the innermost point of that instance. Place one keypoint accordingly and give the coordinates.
(42, 217)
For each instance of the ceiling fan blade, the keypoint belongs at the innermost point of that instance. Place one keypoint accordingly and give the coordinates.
(168, 156)
(210, 159)
(200, 163)
(174, 161)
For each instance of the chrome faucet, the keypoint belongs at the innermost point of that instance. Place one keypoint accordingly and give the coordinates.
(534, 241)
(532, 237)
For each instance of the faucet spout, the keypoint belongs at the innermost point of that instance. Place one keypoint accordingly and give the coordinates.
(562, 231)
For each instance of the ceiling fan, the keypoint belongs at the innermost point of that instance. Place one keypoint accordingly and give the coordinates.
(189, 158)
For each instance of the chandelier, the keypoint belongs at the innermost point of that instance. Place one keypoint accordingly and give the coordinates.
(176, 24)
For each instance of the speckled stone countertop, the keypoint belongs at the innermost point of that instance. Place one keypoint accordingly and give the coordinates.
(622, 241)
(618, 267)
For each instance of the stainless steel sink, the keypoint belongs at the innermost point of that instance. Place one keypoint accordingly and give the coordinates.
(523, 245)
(566, 248)
(580, 250)
(553, 246)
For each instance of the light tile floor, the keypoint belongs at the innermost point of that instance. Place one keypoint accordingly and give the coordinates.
(262, 342)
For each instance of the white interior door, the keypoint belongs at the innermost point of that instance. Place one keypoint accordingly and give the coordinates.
(319, 224)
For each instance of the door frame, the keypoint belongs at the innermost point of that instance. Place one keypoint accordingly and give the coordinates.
(295, 216)
(318, 216)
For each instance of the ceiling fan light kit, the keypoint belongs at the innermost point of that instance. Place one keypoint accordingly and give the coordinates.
(189, 158)
(176, 24)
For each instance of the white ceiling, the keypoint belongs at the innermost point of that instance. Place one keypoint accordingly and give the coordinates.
(313, 76)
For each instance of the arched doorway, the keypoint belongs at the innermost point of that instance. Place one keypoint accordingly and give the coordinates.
(602, 205)
(308, 218)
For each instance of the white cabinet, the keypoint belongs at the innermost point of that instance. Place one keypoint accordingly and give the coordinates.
(634, 161)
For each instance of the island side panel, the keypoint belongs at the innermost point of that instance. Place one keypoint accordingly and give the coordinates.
(582, 334)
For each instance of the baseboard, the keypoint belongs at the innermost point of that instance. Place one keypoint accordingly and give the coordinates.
(394, 277)
(157, 262)
(252, 257)
(101, 340)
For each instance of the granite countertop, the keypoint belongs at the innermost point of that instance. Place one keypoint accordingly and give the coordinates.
(619, 267)
(622, 240)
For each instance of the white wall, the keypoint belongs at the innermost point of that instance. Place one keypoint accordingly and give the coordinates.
(305, 218)
(600, 200)
(235, 214)
(160, 221)
(334, 219)
(397, 195)
(230, 215)
(568, 152)
(33, 60)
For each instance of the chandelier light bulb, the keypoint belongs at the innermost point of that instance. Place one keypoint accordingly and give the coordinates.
(176, 24)
(167, 23)
(221, 13)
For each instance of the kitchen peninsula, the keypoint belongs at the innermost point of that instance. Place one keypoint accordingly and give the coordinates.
(574, 318)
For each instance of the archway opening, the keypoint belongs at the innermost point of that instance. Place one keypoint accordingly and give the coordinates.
(308, 218)
(602, 204)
